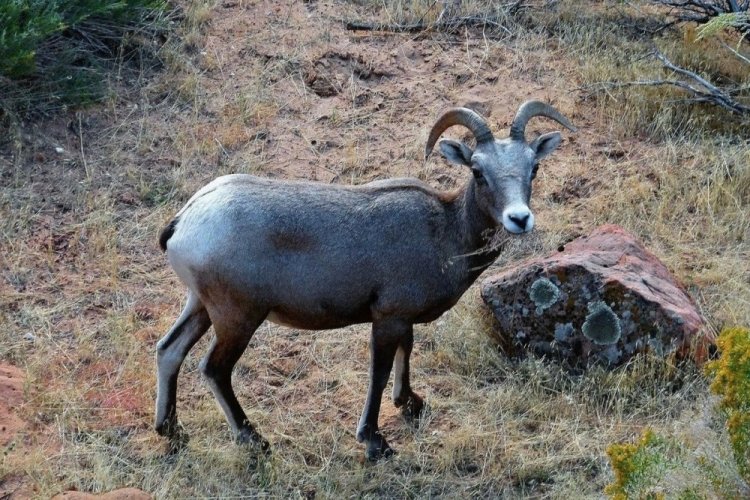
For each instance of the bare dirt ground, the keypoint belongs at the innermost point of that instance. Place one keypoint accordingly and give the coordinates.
(11, 396)
(282, 89)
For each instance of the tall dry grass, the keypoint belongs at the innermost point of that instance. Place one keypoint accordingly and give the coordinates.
(86, 293)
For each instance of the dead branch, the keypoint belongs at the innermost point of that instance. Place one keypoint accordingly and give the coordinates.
(736, 53)
(447, 21)
(448, 25)
(703, 11)
(700, 89)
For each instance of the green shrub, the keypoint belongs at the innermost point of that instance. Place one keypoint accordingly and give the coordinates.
(739, 21)
(731, 374)
(55, 51)
(24, 25)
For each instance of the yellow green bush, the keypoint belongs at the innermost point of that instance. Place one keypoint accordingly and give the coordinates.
(636, 465)
(731, 380)
(670, 467)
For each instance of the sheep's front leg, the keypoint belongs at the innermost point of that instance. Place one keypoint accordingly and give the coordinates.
(403, 396)
(386, 335)
(233, 333)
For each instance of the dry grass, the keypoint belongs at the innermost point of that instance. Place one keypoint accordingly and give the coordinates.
(82, 275)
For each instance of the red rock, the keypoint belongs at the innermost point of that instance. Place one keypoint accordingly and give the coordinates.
(601, 299)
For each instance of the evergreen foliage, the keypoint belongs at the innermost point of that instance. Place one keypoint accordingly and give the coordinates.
(53, 53)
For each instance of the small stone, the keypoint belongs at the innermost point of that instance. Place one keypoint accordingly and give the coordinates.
(59, 150)
(30, 337)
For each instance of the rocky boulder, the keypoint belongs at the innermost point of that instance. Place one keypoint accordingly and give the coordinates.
(600, 299)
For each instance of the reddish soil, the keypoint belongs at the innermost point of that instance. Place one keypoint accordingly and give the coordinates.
(11, 398)
(356, 104)
(284, 91)
(121, 494)
(13, 429)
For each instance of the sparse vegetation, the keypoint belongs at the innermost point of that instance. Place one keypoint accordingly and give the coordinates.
(86, 294)
(731, 374)
(729, 13)
(55, 54)
(657, 467)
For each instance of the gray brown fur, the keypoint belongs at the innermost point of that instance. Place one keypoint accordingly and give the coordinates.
(317, 256)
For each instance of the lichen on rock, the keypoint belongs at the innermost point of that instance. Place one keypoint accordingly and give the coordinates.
(602, 326)
(607, 281)
(564, 331)
(612, 354)
(544, 294)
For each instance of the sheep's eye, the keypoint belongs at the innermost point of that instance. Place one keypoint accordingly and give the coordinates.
(478, 176)
(534, 170)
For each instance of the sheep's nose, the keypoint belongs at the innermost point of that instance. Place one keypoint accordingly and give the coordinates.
(518, 219)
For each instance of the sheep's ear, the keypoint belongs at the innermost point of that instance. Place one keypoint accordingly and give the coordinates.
(545, 144)
(456, 152)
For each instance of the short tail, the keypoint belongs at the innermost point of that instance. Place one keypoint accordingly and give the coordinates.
(167, 233)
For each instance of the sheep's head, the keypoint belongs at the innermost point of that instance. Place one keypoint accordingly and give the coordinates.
(503, 169)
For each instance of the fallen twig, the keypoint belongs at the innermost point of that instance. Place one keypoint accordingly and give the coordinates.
(712, 93)
(448, 25)
(701, 89)
(704, 11)
(735, 52)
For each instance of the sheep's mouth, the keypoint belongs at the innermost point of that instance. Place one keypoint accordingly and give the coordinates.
(514, 246)
(496, 239)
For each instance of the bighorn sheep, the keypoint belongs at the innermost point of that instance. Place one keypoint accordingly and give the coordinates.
(317, 256)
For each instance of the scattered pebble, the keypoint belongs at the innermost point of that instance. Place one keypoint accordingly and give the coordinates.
(30, 337)
(59, 150)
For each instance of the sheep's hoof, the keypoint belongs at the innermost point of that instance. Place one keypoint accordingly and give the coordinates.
(178, 441)
(169, 426)
(252, 439)
(177, 437)
(412, 407)
(376, 445)
(377, 448)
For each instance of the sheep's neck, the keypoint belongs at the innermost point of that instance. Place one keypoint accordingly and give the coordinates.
(477, 229)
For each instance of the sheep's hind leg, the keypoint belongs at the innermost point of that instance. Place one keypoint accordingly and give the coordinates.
(227, 348)
(170, 353)
(404, 397)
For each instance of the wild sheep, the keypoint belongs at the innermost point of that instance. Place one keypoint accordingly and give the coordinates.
(317, 256)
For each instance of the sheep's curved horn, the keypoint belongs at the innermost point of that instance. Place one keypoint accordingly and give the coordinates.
(530, 109)
(459, 116)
